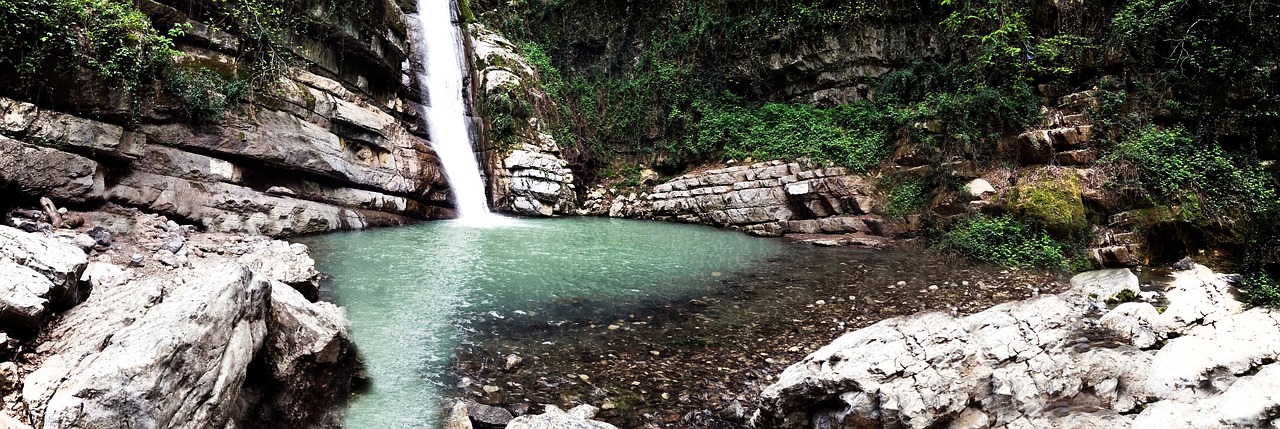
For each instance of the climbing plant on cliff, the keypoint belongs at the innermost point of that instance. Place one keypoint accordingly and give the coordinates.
(47, 43)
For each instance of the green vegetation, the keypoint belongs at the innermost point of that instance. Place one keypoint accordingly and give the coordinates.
(847, 135)
(46, 42)
(1260, 289)
(1052, 201)
(1005, 241)
(1125, 295)
(205, 94)
(55, 46)
(1172, 162)
(906, 197)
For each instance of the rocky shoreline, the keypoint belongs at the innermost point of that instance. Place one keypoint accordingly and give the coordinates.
(702, 361)
(1106, 351)
(162, 326)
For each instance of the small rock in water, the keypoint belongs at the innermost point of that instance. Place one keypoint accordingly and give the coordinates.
(490, 389)
(734, 412)
(820, 302)
(584, 377)
(1184, 264)
(513, 361)
(614, 327)
(488, 415)
(902, 283)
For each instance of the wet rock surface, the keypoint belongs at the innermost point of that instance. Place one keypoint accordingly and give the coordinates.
(703, 360)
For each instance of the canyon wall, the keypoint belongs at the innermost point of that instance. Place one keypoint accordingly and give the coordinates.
(337, 142)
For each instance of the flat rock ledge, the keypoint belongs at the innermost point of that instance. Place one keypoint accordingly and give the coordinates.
(1065, 361)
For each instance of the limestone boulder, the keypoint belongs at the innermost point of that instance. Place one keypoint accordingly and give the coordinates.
(1049, 361)
(59, 263)
(1104, 284)
(311, 362)
(556, 418)
(154, 353)
(285, 262)
(24, 297)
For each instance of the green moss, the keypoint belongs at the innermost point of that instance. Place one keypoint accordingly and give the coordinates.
(1053, 201)
(464, 11)
(1126, 295)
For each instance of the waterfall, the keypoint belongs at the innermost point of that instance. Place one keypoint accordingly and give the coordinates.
(440, 47)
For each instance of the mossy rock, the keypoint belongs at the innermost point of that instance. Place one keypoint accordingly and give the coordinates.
(1052, 199)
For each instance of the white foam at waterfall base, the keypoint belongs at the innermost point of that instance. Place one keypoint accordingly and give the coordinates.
(441, 51)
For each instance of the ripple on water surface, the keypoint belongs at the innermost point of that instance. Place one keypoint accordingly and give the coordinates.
(412, 292)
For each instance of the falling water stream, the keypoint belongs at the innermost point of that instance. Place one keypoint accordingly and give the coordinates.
(440, 45)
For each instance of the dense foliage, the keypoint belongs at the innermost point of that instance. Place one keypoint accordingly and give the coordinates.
(46, 41)
(63, 45)
(1006, 241)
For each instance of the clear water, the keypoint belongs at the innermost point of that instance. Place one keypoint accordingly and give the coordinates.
(413, 293)
(439, 44)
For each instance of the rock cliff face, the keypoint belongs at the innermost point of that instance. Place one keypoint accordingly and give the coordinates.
(840, 66)
(336, 143)
(522, 160)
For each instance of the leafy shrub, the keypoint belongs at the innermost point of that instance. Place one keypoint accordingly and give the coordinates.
(206, 95)
(905, 198)
(1172, 161)
(109, 38)
(1005, 241)
(1260, 289)
(850, 135)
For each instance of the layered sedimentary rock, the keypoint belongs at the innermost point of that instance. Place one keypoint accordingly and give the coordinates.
(768, 198)
(527, 174)
(335, 143)
(1048, 362)
(840, 66)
